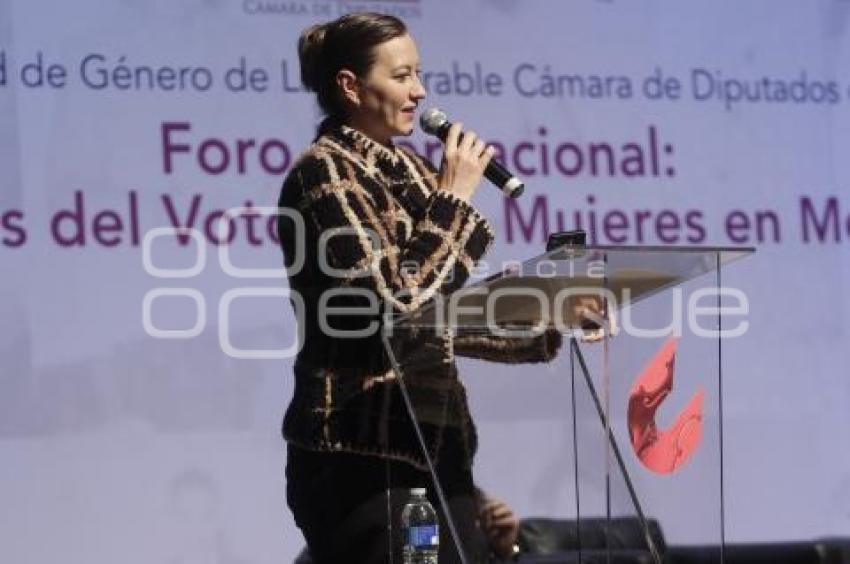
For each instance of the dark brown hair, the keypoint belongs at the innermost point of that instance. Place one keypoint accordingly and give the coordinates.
(345, 43)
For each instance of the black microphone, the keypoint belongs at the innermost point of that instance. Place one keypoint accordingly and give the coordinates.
(435, 122)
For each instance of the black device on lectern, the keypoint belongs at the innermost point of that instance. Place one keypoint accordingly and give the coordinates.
(575, 238)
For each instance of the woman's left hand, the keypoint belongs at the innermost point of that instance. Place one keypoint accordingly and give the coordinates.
(590, 313)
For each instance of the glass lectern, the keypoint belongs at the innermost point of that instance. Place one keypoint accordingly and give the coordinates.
(615, 448)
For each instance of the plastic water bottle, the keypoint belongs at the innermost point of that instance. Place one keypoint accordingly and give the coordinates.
(420, 529)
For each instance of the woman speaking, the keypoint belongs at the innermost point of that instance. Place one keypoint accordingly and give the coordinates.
(380, 229)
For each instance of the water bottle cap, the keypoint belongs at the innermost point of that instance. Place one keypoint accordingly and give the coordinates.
(418, 491)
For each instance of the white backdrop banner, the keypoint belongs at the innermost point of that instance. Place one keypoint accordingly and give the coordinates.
(144, 374)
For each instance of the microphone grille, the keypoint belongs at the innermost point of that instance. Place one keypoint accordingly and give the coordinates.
(432, 119)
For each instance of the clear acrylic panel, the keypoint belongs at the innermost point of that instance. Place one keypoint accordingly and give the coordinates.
(615, 440)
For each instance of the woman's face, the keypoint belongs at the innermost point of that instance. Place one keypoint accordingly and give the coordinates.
(388, 96)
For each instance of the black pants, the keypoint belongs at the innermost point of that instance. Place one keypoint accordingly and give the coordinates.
(340, 502)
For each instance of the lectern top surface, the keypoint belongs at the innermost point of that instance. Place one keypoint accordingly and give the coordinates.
(556, 284)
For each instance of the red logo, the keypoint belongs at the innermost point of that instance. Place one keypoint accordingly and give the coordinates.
(662, 450)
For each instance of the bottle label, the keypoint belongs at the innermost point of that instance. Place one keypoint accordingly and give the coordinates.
(423, 536)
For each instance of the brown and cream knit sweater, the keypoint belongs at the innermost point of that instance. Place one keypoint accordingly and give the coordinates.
(375, 235)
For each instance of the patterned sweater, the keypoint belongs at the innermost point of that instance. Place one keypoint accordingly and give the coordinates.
(368, 232)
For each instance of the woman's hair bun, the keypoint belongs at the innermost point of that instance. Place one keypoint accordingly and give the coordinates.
(348, 42)
(311, 46)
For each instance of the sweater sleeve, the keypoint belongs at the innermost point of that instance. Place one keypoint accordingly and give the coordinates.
(508, 350)
(358, 240)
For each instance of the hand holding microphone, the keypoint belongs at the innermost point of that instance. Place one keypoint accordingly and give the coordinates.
(466, 158)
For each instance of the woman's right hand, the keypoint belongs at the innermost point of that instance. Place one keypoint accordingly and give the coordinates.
(464, 160)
